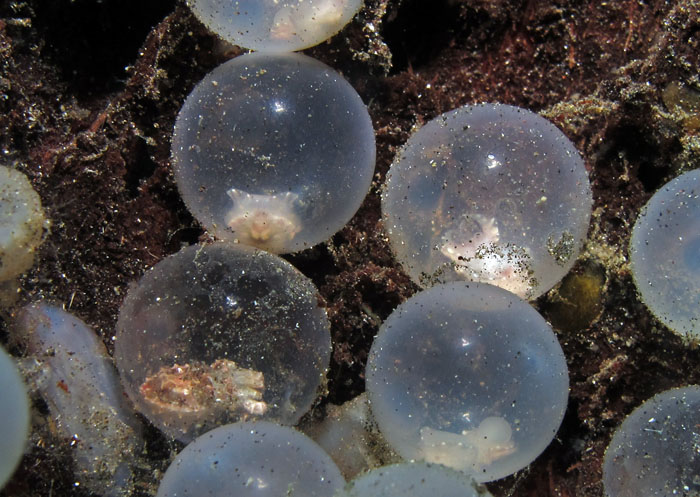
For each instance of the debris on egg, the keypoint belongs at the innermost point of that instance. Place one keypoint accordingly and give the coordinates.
(220, 333)
(275, 25)
(478, 255)
(489, 193)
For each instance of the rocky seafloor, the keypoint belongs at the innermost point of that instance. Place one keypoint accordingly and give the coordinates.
(89, 91)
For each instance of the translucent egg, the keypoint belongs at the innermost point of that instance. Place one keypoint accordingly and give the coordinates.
(21, 223)
(665, 254)
(221, 333)
(75, 376)
(656, 450)
(349, 436)
(14, 413)
(274, 151)
(488, 193)
(257, 459)
(274, 25)
(470, 376)
(413, 480)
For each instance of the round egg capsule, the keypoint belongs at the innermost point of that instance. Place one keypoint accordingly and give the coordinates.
(221, 333)
(414, 480)
(274, 25)
(14, 413)
(274, 151)
(470, 376)
(488, 193)
(665, 254)
(257, 459)
(656, 449)
(22, 223)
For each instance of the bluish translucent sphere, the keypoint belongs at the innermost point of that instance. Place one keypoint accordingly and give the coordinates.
(489, 193)
(274, 151)
(470, 376)
(656, 450)
(257, 459)
(665, 254)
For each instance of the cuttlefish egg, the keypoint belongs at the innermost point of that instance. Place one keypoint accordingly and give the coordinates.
(220, 333)
(489, 193)
(665, 254)
(469, 376)
(273, 151)
(274, 25)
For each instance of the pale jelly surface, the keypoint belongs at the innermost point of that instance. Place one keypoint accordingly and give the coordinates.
(489, 193)
(469, 376)
(274, 151)
(21, 223)
(665, 254)
(258, 459)
(14, 412)
(655, 451)
(275, 25)
(414, 480)
(221, 333)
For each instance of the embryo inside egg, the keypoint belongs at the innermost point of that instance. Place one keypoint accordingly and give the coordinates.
(221, 333)
(274, 151)
(469, 376)
(489, 193)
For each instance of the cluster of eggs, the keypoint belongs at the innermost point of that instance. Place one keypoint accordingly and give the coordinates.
(221, 345)
(656, 450)
(276, 151)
